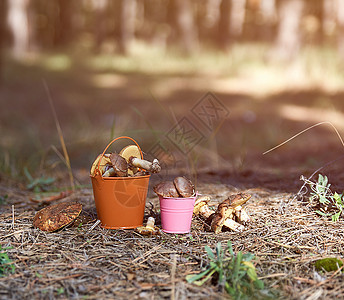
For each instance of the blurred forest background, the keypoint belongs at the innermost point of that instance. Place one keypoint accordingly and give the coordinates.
(137, 67)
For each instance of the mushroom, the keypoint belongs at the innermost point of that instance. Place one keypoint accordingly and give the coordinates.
(184, 187)
(104, 162)
(225, 213)
(119, 164)
(201, 207)
(149, 229)
(110, 172)
(166, 189)
(180, 187)
(238, 199)
(242, 215)
(56, 216)
(153, 167)
(130, 151)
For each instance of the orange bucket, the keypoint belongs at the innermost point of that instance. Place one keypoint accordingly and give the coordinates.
(120, 201)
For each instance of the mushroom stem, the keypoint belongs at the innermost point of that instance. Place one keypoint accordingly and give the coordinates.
(241, 214)
(110, 172)
(202, 208)
(150, 223)
(153, 167)
(235, 226)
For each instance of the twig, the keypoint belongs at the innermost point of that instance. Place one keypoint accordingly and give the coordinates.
(173, 275)
(303, 131)
(53, 198)
(13, 219)
(94, 225)
(59, 131)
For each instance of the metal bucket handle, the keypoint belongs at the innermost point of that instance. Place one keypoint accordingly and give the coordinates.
(97, 171)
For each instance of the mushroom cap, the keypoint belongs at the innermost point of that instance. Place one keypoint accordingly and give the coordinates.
(105, 160)
(238, 199)
(119, 164)
(147, 230)
(184, 186)
(56, 216)
(129, 151)
(166, 189)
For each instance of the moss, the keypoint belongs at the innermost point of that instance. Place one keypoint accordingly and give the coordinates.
(328, 264)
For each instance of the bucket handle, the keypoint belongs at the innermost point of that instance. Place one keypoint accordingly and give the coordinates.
(114, 140)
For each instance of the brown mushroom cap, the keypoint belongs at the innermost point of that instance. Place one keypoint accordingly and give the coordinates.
(129, 151)
(166, 189)
(104, 160)
(147, 230)
(119, 164)
(56, 216)
(184, 186)
(238, 199)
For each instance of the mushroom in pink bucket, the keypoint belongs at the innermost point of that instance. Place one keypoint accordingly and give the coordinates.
(180, 187)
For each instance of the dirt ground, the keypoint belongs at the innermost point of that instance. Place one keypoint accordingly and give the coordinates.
(93, 106)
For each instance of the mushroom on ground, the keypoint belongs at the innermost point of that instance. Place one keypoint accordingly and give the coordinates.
(238, 199)
(184, 187)
(225, 213)
(149, 229)
(56, 216)
(242, 215)
(201, 207)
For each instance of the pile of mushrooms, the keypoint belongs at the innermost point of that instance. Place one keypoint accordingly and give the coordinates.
(229, 213)
(180, 187)
(126, 163)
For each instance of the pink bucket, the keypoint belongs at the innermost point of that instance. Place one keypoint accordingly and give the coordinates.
(176, 214)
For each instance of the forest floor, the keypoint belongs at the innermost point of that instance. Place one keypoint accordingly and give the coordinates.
(98, 99)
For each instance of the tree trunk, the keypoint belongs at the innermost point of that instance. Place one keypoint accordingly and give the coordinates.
(100, 25)
(128, 18)
(3, 9)
(64, 25)
(340, 34)
(224, 24)
(237, 17)
(288, 40)
(186, 26)
(19, 26)
(329, 17)
(269, 16)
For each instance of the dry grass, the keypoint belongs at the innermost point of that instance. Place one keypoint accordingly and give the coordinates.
(94, 263)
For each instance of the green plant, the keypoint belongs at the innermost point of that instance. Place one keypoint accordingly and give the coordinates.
(60, 291)
(6, 265)
(38, 184)
(329, 204)
(236, 274)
